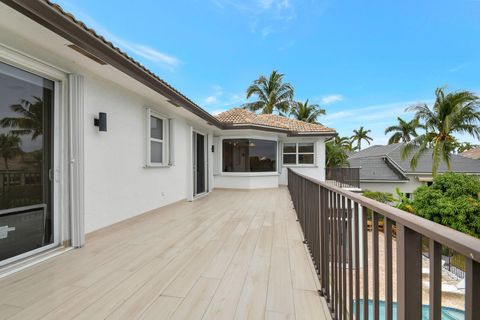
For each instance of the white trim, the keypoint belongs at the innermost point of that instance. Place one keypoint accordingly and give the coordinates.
(22, 265)
(166, 160)
(297, 155)
(31, 64)
(77, 173)
(206, 171)
(248, 174)
(60, 205)
(385, 181)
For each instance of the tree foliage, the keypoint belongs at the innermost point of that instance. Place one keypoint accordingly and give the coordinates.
(452, 200)
(403, 131)
(383, 197)
(306, 112)
(359, 135)
(452, 113)
(9, 147)
(273, 95)
(30, 120)
(336, 154)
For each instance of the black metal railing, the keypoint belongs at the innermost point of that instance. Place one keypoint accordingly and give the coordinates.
(335, 227)
(343, 177)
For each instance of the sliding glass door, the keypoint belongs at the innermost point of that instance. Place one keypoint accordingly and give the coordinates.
(199, 164)
(26, 149)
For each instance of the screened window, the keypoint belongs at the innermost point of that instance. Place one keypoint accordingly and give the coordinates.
(249, 155)
(157, 144)
(298, 153)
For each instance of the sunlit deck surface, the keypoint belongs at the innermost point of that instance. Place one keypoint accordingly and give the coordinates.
(228, 255)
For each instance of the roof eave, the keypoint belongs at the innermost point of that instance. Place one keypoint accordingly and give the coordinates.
(243, 126)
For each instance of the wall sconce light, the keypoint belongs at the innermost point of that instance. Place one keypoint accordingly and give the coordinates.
(101, 121)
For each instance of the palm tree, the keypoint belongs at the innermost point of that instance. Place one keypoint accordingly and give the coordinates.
(9, 147)
(336, 155)
(465, 146)
(404, 130)
(359, 135)
(454, 112)
(307, 112)
(272, 94)
(345, 142)
(30, 121)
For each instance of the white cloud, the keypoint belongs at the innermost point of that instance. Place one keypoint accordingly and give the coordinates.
(458, 67)
(219, 97)
(211, 100)
(216, 112)
(332, 98)
(137, 49)
(160, 58)
(263, 17)
(373, 117)
(266, 31)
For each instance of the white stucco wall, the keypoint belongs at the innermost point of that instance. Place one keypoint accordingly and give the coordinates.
(317, 171)
(117, 183)
(405, 187)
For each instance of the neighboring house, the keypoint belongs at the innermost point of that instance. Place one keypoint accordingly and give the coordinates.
(106, 139)
(472, 154)
(382, 168)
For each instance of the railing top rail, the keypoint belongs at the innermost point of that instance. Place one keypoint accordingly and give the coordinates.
(467, 245)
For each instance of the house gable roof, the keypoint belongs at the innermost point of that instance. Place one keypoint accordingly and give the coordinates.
(392, 155)
(238, 118)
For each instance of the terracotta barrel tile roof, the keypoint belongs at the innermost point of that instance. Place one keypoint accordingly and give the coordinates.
(472, 153)
(238, 116)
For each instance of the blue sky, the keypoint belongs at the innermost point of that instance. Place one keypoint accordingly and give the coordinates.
(363, 61)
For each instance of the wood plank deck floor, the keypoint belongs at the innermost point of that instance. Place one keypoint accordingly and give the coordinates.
(229, 255)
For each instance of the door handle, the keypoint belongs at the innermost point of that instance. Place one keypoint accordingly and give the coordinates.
(4, 230)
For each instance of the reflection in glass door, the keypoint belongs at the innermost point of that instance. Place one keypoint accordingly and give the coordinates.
(199, 164)
(26, 143)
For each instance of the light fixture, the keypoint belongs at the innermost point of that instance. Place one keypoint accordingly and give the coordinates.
(101, 121)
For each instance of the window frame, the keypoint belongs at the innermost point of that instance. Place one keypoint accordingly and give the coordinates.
(165, 141)
(250, 173)
(297, 154)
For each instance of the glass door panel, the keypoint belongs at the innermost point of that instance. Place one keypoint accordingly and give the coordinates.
(26, 149)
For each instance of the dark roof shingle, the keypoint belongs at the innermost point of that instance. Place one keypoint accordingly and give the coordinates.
(391, 161)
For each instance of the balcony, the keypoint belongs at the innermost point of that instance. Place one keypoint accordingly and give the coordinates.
(229, 255)
(243, 254)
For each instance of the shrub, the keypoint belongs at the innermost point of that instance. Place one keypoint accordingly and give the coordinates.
(383, 197)
(452, 200)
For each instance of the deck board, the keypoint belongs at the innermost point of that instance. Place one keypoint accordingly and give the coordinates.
(229, 255)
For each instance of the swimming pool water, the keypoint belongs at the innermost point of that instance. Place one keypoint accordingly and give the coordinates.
(447, 313)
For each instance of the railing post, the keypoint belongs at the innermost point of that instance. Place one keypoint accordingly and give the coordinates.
(472, 294)
(435, 294)
(409, 274)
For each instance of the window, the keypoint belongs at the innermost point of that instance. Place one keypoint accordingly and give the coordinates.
(157, 144)
(249, 155)
(298, 153)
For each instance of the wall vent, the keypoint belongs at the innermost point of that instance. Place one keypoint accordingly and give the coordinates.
(86, 54)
